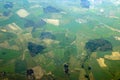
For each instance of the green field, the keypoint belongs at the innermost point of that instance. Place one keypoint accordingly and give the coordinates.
(63, 43)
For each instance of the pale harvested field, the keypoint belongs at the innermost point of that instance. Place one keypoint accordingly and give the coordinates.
(113, 29)
(38, 72)
(22, 13)
(101, 62)
(50, 41)
(36, 6)
(117, 38)
(5, 44)
(55, 22)
(4, 30)
(14, 27)
(114, 56)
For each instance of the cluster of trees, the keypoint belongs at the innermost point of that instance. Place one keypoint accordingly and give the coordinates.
(8, 5)
(85, 3)
(47, 35)
(34, 49)
(31, 23)
(98, 45)
(50, 9)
